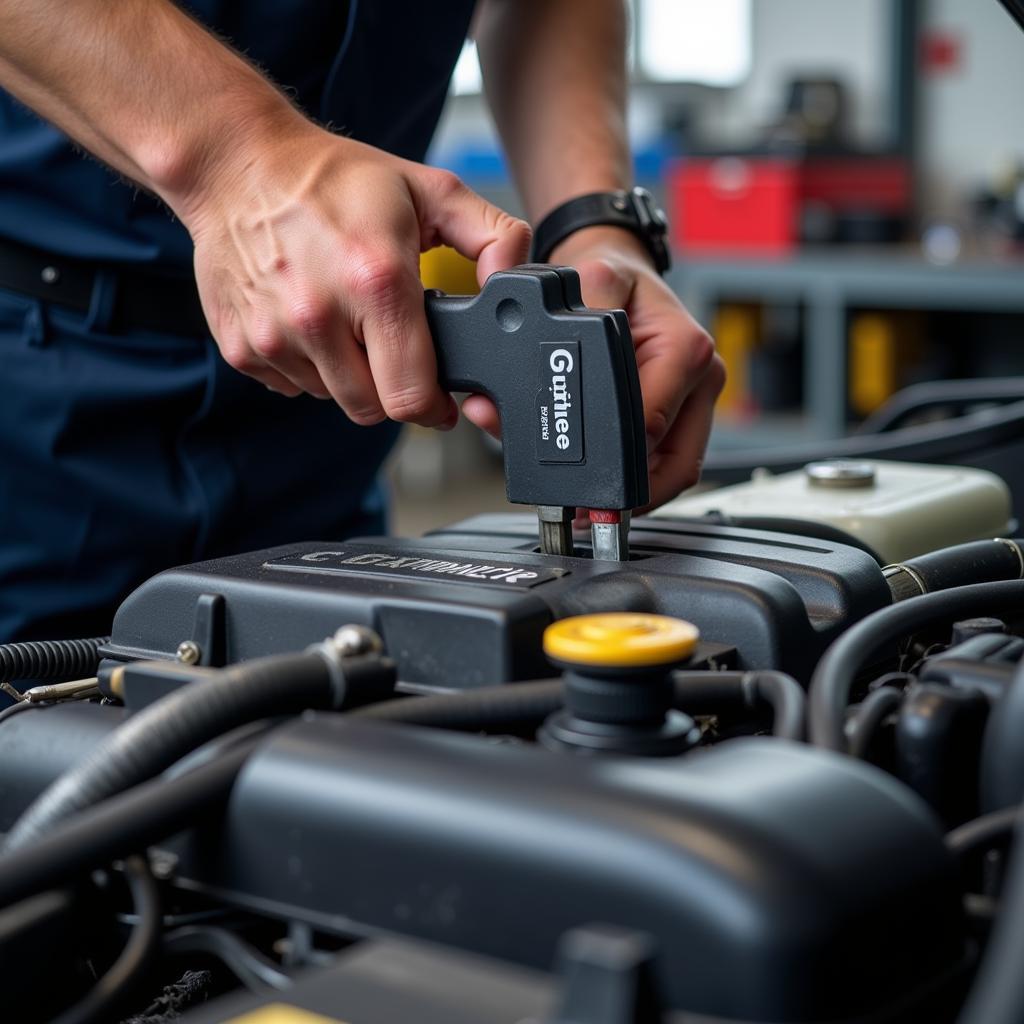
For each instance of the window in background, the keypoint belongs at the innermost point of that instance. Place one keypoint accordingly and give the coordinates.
(693, 41)
(707, 42)
(467, 81)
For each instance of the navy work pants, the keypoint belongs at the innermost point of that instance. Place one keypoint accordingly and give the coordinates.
(124, 454)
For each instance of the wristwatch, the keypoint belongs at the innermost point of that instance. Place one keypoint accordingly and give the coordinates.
(634, 210)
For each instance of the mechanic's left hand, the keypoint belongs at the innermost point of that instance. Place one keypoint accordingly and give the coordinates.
(680, 374)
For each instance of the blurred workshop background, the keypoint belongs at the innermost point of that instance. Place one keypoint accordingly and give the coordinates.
(845, 184)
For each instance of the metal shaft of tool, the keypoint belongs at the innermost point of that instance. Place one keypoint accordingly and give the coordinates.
(75, 689)
(555, 526)
(609, 534)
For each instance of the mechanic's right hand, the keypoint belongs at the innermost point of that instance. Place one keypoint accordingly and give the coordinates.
(307, 260)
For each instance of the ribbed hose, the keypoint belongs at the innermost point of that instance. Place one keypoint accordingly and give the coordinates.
(50, 660)
(154, 738)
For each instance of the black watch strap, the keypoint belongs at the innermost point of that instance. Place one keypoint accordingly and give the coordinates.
(635, 211)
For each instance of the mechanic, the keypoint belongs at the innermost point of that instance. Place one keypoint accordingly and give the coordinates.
(128, 441)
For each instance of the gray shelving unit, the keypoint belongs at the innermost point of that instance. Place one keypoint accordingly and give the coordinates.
(830, 282)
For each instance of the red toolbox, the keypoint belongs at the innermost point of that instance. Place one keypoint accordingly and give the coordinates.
(755, 205)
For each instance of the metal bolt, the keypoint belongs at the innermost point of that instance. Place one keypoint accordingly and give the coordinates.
(50, 275)
(619, 203)
(189, 652)
(351, 640)
(163, 865)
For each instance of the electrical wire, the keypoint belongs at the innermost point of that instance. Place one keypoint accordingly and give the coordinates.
(16, 709)
(114, 987)
(835, 674)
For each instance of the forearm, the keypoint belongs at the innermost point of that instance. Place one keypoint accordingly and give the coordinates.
(140, 85)
(555, 78)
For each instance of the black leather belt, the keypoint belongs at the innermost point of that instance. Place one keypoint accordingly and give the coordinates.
(143, 301)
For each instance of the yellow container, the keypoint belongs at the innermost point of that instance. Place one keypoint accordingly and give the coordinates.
(448, 271)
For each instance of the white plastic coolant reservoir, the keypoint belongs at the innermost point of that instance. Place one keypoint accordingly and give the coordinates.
(899, 509)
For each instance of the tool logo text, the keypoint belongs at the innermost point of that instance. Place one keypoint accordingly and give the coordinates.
(559, 404)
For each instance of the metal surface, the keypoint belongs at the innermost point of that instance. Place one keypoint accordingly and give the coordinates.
(840, 473)
(830, 282)
(189, 652)
(352, 640)
(611, 539)
(555, 528)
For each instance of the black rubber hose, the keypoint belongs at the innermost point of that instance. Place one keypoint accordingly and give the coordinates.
(521, 705)
(835, 674)
(114, 987)
(874, 710)
(788, 702)
(51, 660)
(980, 561)
(998, 993)
(129, 821)
(255, 971)
(505, 706)
(165, 731)
(982, 832)
(705, 692)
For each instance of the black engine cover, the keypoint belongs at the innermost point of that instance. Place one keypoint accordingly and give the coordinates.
(467, 606)
(777, 882)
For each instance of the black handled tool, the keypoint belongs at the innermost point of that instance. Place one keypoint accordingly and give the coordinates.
(565, 381)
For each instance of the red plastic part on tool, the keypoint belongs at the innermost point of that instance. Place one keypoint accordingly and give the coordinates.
(600, 515)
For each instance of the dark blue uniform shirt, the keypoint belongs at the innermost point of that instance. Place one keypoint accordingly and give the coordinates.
(122, 454)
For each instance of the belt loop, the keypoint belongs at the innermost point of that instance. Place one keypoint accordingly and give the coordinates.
(101, 304)
(37, 325)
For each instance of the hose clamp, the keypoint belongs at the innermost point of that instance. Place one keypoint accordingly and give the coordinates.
(1015, 548)
(356, 667)
(903, 581)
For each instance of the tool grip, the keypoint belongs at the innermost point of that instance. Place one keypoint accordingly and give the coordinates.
(564, 380)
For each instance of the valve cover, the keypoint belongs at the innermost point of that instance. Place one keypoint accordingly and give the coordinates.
(467, 606)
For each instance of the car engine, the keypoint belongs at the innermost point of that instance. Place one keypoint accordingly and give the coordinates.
(756, 773)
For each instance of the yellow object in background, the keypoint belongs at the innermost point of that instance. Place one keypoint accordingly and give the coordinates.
(736, 330)
(882, 347)
(445, 269)
(282, 1013)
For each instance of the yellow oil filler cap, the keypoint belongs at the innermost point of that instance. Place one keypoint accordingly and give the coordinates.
(620, 639)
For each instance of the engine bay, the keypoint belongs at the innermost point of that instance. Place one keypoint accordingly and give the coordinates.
(768, 769)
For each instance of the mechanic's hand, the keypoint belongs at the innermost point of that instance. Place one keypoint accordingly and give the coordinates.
(307, 260)
(680, 374)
